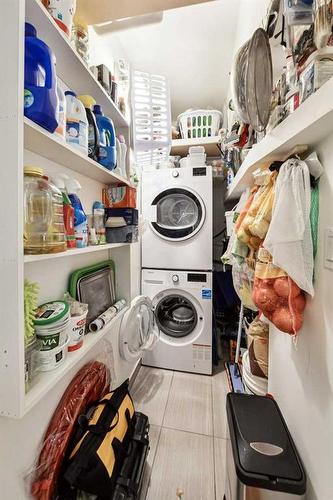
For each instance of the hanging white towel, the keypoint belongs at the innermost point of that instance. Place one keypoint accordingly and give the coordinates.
(289, 238)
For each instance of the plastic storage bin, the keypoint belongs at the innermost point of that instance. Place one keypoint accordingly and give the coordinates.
(262, 460)
(200, 123)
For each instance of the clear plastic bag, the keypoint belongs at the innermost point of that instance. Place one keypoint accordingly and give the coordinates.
(243, 280)
(289, 239)
(259, 227)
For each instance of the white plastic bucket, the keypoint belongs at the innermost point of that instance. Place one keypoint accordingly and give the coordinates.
(76, 330)
(49, 360)
(256, 385)
(52, 337)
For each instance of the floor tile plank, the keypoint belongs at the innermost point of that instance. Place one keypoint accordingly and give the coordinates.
(150, 392)
(183, 460)
(189, 405)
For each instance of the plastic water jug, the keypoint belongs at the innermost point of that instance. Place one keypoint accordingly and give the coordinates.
(40, 83)
(44, 230)
(93, 133)
(76, 123)
(62, 12)
(107, 139)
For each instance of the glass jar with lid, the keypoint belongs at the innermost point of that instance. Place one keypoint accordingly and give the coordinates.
(44, 230)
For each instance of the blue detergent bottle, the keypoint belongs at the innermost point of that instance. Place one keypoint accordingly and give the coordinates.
(40, 82)
(107, 139)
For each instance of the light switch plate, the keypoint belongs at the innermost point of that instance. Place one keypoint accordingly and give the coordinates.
(329, 249)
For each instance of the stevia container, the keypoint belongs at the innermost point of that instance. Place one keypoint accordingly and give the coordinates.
(51, 325)
(51, 359)
(30, 362)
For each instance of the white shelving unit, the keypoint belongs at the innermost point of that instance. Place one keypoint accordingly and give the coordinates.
(70, 67)
(45, 382)
(310, 123)
(53, 148)
(24, 140)
(179, 147)
(72, 252)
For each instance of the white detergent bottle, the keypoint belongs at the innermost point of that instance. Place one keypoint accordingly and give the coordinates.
(61, 129)
(76, 123)
(80, 219)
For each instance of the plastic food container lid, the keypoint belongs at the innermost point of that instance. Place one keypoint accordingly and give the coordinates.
(51, 312)
(30, 170)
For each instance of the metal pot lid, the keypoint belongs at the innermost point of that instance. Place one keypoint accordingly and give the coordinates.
(183, 314)
(259, 80)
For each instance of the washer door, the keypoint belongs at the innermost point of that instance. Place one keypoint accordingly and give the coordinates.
(138, 331)
(176, 316)
(179, 214)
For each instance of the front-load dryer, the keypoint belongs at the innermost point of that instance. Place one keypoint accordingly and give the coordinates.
(132, 333)
(182, 303)
(177, 214)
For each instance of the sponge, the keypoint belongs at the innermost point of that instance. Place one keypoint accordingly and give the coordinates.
(30, 305)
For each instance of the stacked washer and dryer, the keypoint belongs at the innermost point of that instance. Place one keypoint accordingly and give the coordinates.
(177, 266)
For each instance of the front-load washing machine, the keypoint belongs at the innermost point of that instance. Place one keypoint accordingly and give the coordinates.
(133, 332)
(177, 212)
(182, 303)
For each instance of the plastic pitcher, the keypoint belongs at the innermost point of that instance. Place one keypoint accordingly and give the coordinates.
(40, 83)
(107, 139)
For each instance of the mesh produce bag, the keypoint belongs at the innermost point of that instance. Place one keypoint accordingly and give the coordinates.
(277, 296)
(289, 239)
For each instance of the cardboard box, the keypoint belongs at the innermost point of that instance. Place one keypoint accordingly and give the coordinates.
(119, 197)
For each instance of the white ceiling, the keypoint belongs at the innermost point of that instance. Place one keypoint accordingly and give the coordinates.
(193, 46)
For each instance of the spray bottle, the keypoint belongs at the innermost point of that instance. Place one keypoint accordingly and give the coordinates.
(59, 181)
(80, 218)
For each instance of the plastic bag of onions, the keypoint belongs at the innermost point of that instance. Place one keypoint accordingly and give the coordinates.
(277, 296)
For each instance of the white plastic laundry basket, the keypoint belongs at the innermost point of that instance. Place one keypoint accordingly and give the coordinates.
(200, 123)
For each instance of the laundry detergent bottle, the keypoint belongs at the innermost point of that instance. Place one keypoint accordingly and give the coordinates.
(76, 123)
(93, 133)
(80, 218)
(107, 139)
(40, 82)
(61, 129)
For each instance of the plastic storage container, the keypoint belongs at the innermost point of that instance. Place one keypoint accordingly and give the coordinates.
(262, 460)
(298, 12)
(107, 139)
(40, 82)
(62, 12)
(200, 123)
(44, 230)
(80, 40)
(76, 123)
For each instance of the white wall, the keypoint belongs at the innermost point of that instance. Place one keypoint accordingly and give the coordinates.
(301, 377)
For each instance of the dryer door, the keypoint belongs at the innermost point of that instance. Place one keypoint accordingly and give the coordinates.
(138, 331)
(179, 214)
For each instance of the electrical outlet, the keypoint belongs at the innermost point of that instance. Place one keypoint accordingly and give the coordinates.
(329, 249)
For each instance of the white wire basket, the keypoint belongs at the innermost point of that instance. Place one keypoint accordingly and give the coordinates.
(200, 123)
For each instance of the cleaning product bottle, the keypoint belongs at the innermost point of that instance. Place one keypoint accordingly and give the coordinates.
(107, 139)
(40, 83)
(59, 181)
(61, 129)
(76, 123)
(62, 12)
(80, 218)
(93, 133)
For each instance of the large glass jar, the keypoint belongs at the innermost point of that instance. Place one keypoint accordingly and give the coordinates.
(44, 230)
(80, 40)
